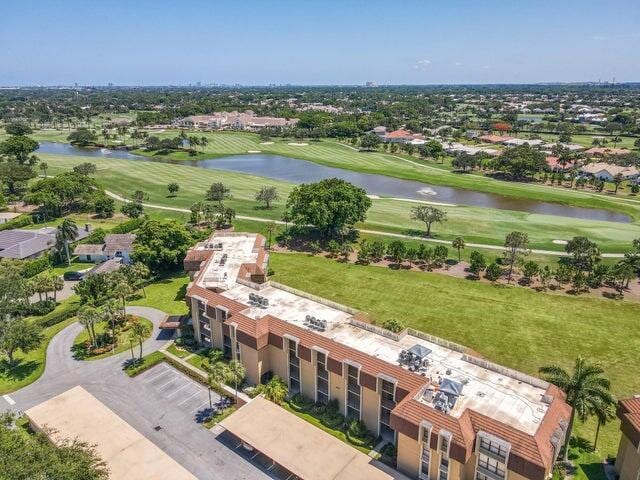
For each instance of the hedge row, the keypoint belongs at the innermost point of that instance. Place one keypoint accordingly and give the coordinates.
(148, 361)
(18, 222)
(194, 376)
(65, 310)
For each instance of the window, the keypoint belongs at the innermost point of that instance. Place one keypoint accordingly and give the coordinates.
(489, 468)
(425, 454)
(322, 378)
(353, 393)
(444, 443)
(226, 347)
(294, 368)
(387, 403)
(497, 448)
(238, 357)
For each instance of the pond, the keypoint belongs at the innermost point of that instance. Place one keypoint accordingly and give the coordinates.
(301, 171)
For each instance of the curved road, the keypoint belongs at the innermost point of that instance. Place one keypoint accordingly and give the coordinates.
(556, 253)
(193, 446)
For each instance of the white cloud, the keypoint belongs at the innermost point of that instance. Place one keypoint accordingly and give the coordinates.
(458, 64)
(422, 64)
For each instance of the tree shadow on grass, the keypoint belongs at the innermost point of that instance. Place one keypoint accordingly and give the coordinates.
(18, 371)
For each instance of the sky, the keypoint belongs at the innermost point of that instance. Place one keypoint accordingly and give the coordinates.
(308, 42)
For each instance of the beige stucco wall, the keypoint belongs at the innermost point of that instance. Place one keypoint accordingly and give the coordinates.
(308, 379)
(408, 455)
(369, 409)
(628, 460)
(216, 333)
(252, 364)
(195, 319)
(337, 389)
(278, 362)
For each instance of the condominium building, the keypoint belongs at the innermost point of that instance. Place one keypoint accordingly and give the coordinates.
(247, 120)
(628, 458)
(450, 414)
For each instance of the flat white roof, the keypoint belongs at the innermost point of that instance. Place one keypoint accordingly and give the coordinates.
(493, 392)
(128, 454)
(238, 249)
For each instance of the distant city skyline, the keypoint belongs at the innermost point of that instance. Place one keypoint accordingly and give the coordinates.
(318, 43)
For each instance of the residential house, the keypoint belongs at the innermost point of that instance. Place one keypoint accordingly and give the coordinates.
(493, 138)
(608, 171)
(450, 415)
(517, 142)
(233, 120)
(28, 244)
(606, 151)
(628, 459)
(115, 246)
(555, 166)
(404, 137)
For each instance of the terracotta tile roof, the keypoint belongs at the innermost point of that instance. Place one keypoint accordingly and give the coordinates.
(606, 151)
(629, 415)
(494, 138)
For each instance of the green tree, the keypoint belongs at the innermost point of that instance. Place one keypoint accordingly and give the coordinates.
(267, 195)
(33, 456)
(236, 374)
(82, 137)
(429, 215)
(138, 332)
(330, 205)
(67, 232)
(218, 192)
(18, 334)
(18, 128)
(370, 141)
(85, 169)
(493, 272)
(521, 161)
(477, 263)
(162, 246)
(44, 166)
(584, 253)
(105, 207)
(396, 251)
(516, 244)
(529, 270)
(275, 390)
(458, 244)
(587, 390)
(173, 188)
(19, 148)
(122, 290)
(88, 316)
(132, 209)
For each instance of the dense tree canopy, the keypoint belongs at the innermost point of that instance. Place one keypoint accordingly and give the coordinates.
(521, 161)
(82, 137)
(162, 246)
(330, 205)
(64, 193)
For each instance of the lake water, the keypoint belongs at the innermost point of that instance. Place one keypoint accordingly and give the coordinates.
(301, 171)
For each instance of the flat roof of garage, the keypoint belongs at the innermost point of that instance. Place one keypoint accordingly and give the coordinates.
(128, 454)
(303, 449)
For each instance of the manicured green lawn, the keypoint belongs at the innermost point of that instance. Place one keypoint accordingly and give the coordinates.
(516, 327)
(218, 417)
(148, 361)
(81, 352)
(478, 225)
(31, 366)
(166, 295)
(177, 351)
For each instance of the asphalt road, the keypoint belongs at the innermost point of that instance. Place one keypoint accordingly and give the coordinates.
(171, 401)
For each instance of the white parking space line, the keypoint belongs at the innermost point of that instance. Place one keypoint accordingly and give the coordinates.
(189, 398)
(200, 406)
(149, 380)
(9, 400)
(179, 389)
(167, 383)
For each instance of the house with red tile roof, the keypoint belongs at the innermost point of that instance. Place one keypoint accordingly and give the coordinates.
(450, 414)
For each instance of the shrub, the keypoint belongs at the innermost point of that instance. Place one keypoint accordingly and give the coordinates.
(493, 272)
(31, 268)
(61, 313)
(42, 307)
(393, 325)
(128, 226)
(134, 368)
(17, 222)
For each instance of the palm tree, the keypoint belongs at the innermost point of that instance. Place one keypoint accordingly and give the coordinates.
(67, 232)
(44, 167)
(122, 290)
(275, 390)
(88, 316)
(603, 416)
(57, 284)
(140, 273)
(586, 389)
(218, 374)
(138, 332)
(458, 244)
(110, 313)
(236, 373)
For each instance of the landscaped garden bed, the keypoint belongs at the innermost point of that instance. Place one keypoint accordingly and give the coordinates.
(104, 345)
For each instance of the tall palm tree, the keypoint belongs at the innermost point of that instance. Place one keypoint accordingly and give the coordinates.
(603, 415)
(44, 167)
(140, 273)
(122, 290)
(110, 313)
(88, 316)
(57, 284)
(218, 374)
(139, 332)
(67, 232)
(587, 392)
(458, 244)
(236, 373)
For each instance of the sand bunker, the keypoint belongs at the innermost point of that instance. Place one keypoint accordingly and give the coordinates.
(560, 242)
(266, 143)
(293, 144)
(253, 151)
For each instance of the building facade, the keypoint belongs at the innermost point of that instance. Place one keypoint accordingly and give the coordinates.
(628, 458)
(451, 415)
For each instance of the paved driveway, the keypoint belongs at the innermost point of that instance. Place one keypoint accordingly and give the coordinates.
(144, 402)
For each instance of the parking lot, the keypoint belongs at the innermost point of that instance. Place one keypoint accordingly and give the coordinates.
(182, 392)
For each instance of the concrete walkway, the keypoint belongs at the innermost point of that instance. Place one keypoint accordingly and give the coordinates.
(558, 253)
